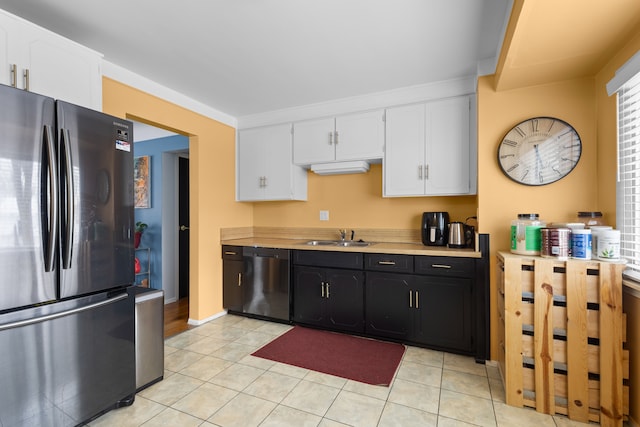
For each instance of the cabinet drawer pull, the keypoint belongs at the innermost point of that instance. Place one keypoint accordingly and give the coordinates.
(440, 266)
(14, 76)
(26, 79)
(230, 253)
(386, 263)
(239, 279)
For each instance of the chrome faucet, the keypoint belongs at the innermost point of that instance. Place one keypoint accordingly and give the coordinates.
(343, 234)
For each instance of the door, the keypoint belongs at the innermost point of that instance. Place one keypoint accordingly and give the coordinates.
(70, 367)
(404, 154)
(308, 295)
(447, 147)
(344, 291)
(183, 219)
(445, 312)
(96, 200)
(387, 304)
(28, 182)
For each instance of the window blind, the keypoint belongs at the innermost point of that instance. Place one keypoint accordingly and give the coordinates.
(628, 185)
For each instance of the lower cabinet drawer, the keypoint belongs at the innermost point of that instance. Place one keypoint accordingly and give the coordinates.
(335, 259)
(389, 262)
(445, 266)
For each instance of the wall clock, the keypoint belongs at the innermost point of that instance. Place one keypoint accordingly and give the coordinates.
(539, 151)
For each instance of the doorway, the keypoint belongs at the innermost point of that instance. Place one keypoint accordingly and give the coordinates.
(183, 219)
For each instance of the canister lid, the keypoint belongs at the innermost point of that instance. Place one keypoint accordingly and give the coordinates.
(589, 214)
(531, 216)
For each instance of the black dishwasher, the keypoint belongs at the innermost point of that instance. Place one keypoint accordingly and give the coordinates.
(262, 287)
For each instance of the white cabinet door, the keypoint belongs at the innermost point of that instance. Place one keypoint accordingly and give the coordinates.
(49, 64)
(264, 167)
(350, 137)
(447, 147)
(313, 141)
(360, 136)
(403, 167)
(428, 149)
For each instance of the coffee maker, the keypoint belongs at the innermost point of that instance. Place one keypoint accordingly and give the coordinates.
(434, 228)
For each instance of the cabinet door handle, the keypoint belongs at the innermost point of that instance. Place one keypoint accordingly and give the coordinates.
(230, 253)
(330, 138)
(386, 263)
(420, 172)
(440, 266)
(335, 138)
(322, 288)
(26, 79)
(426, 171)
(327, 286)
(239, 279)
(410, 299)
(14, 75)
(417, 300)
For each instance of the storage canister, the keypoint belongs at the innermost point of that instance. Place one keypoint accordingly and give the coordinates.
(555, 243)
(525, 234)
(590, 219)
(608, 245)
(581, 243)
(594, 238)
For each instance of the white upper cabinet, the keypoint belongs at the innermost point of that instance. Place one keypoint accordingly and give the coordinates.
(349, 137)
(40, 61)
(430, 149)
(264, 167)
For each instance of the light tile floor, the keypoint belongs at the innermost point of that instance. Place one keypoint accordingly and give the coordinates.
(211, 379)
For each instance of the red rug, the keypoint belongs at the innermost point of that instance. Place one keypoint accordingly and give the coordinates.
(359, 359)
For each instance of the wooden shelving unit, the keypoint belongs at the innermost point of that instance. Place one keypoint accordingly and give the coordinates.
(562, 334)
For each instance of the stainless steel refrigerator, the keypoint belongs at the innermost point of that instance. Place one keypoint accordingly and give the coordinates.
(67, 350)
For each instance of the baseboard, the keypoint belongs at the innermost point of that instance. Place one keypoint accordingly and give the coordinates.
(194, 322)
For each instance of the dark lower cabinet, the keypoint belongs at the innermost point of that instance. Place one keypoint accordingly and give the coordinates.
(444, 313)
(232, 278)
(387, 309)
(433, 311)
(327, 297)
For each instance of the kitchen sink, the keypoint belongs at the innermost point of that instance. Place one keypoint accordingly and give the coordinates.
(345, 243)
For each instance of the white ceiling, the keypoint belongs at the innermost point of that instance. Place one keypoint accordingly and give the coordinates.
(245, 57)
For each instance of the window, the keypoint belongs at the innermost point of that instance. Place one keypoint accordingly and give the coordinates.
(628, 183)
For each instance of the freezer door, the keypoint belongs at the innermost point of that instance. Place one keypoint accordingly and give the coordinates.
(28, 179)
(65, 363)
(96, 199)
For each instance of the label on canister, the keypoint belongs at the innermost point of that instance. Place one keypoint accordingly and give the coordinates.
(594, 237)
(608, 245)
(555, 243)
(581, 243)
(525, 239)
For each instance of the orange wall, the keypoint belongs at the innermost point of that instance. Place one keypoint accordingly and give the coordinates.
(355, 201)
(212, 181)
(500, 199)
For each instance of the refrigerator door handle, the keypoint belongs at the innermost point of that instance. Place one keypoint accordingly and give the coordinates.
(50, 250)
(26, 322)
(69, 194)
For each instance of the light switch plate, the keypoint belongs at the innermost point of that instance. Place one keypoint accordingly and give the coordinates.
(324, 215)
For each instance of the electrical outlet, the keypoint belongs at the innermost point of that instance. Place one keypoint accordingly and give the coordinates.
(324, 215)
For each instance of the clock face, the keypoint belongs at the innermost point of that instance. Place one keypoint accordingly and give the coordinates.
(539, 151)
